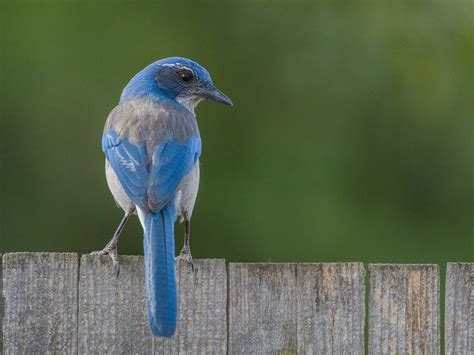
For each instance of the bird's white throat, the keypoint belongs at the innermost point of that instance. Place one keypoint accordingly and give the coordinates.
(189, 102)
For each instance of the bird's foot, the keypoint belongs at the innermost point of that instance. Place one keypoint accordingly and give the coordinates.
(186, 256)
(111, 251)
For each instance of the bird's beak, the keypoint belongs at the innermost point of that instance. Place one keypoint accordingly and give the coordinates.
(216, 95)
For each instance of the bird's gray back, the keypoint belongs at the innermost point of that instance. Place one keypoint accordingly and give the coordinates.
(144, 121)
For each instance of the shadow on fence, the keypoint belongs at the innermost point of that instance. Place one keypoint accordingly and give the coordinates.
(55, 304)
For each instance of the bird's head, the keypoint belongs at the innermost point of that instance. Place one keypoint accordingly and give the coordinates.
(175, 78)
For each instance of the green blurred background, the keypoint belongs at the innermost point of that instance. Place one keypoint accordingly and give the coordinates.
(350, 138)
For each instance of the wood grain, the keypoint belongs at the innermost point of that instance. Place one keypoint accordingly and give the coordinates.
(403, 309)
(40, 314)
(112, 316)
(202, 319)
(459, 310)
(112, 312)
(266, 308)
(262, 308)
(331, 308)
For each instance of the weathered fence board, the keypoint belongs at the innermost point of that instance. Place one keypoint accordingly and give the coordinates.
(49, 303)
(262, 308)
(112, 315)
(40, 314)
(459, 314)
(202, 322)
(112, 311)
(331, 308)
(403, 309)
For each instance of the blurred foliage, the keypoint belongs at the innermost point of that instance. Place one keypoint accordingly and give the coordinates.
(350, 139)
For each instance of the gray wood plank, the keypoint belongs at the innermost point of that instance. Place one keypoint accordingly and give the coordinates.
(403, 309)
(112, 312)
(331, 308)
(202, 320)
(112, 316)
(262, 308)
(459, 318)
(40, 291)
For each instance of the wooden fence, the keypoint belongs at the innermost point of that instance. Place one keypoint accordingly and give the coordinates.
(52, 303)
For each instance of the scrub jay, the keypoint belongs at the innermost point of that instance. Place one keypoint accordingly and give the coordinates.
(152, 146)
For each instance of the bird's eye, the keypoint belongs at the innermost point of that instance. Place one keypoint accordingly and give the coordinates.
(186, 76)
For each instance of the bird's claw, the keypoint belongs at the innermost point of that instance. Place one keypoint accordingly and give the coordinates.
(112, 253)
(186, 256)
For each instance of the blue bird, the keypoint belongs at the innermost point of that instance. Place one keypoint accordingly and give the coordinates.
(152, 146)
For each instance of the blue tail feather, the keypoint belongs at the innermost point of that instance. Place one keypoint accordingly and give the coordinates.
(160, 276)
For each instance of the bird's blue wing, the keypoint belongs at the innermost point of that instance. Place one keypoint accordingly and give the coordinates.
(172, 161)
(157, 146)
(130, 163)
(150, 186)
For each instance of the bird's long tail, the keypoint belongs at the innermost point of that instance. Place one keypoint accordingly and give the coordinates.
(160, 276)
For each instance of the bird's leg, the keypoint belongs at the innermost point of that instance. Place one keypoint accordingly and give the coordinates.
(111, 247)
(186, 251)
(187, 228)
